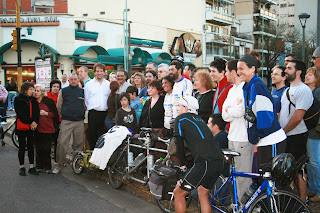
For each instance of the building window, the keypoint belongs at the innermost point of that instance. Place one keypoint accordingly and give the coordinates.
(283, 5)
(291, 5)
(292, 25)
(85, 14)
(102, 13)
(80, 25)
(291, 15)
(246, 51)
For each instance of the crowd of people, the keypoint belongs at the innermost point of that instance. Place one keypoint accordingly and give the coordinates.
(181, 101)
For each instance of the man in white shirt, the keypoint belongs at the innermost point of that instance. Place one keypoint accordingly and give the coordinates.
(64, 81)
(122, 77)
(96, 93)
(233, 112)
(291, 115)
(182, 86)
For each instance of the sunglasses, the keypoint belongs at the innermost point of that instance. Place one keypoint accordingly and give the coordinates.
(314, 57)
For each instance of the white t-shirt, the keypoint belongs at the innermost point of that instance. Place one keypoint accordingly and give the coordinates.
(301, 96)
(167, 105)
(181, 88)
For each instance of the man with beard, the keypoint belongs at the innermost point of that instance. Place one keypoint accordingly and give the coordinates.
(182, 86)
(291, 115)
(96, 93)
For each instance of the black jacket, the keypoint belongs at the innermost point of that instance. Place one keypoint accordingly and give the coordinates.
(22, 108)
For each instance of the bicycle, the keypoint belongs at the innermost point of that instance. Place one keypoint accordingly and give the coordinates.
(265, 199)
(13, 135)
(120, 171)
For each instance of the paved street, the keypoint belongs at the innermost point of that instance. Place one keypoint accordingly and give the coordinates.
(65, 192)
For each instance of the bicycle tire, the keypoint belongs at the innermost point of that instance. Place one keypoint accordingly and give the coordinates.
(76, 164)
(223, 199)
(283, 201)
(14, 139)
(117, 171)
(167, 206)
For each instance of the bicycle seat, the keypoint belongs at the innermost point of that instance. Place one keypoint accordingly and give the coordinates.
(230, 152)
(146, 129)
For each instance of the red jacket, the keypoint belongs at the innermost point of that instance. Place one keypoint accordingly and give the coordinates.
(223, 84)
(55, 98)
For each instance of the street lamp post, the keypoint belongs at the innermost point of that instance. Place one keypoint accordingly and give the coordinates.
(303, 21)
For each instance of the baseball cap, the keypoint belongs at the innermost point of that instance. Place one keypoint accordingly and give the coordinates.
(317, 52)
(178, 58)
(190, 102)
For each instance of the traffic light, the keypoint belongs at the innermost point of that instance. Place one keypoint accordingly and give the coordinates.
(14, 40)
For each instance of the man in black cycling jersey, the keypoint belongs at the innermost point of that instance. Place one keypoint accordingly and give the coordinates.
(190, 129)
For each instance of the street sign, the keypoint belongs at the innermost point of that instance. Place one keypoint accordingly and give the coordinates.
(43, 72)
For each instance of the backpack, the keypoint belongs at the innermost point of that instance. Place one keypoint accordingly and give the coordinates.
(311, 117)
(163, 179)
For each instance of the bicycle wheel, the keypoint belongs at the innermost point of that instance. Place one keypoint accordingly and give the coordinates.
(167, 206)
(223, 199)
(76, 164)
(279, 201)
(117, 171)
(14, 138)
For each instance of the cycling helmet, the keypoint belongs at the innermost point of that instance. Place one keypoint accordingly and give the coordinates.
(283, 168)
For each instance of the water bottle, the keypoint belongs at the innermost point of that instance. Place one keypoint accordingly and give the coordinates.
(248, 194)
(138, 159)
(130, 159)
(150, 162)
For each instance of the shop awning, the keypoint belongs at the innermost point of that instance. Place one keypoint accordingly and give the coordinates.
(163, 56)
(98, 49)
(146, 42)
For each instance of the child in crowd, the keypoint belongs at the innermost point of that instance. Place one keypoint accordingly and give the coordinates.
(134, 100)
(126, 116)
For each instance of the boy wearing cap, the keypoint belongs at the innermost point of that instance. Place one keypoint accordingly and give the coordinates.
(190, 129)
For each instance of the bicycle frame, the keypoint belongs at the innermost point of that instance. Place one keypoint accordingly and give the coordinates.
(146, 146)
(9, 127)
(266, 185)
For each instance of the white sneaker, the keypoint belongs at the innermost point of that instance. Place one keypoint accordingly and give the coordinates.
(3, 122)
(57, 170)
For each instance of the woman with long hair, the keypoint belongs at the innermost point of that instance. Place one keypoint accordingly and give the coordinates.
(312, 79)
(12, 89)
(113, 105)
(261, 118)
(140, 82)
(47, 126)
(204, 85)
(27, 111)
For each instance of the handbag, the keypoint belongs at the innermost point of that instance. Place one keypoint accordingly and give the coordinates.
(22, 126)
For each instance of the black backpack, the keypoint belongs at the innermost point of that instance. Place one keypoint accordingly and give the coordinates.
(311, 117)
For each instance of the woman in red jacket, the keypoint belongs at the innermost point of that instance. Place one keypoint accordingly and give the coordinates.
(47, 126)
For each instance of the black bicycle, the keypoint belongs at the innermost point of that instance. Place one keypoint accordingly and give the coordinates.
(3, 132)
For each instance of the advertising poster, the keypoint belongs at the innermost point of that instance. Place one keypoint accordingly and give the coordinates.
(43, 72)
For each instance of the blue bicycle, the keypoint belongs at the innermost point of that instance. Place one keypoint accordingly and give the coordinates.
(266, 198)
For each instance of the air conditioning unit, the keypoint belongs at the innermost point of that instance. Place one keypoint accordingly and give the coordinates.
(205, 27)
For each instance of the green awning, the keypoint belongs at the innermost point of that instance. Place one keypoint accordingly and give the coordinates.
(163, 56)
(8, 45)
(98, 49)
(85, 34)
(146, 42)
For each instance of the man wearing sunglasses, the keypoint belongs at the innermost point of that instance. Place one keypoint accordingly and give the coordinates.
(316, 58)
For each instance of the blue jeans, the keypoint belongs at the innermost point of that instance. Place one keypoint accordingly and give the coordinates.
(11, 97)
(108, 123)
(313, 167)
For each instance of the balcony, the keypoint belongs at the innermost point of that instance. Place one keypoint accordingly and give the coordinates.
(218, 38)
(268, 31)
(242, 36)
(266, 14)
(219, 16)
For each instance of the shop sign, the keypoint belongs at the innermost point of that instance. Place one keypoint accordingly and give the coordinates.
(43, 72)
(189, 57)
(30, 21)
(186, 43)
